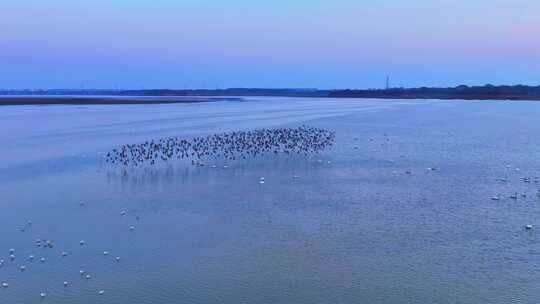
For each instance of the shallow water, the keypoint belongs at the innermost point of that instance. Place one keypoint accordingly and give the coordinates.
(357, 229)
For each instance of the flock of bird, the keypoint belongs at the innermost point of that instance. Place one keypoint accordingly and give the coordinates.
(230, 146)
(50, 244)
(515, 196)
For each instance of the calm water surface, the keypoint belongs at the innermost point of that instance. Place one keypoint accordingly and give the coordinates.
(366, 222)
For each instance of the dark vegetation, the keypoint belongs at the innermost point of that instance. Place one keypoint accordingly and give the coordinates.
(487, 92)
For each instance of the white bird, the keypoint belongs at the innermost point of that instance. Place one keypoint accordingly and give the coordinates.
(42, 260)
(117, 259)
(101, 292)
(122, 212)
(495, 198)
(23, 268)
(64, 253)
(5, 285)
(529, 227)
(12, 257)
(131, 228)
(81, 243)
(105, 253)
(31, 257)
(66, 283)
(43, 295)
(81, 272)
(88, 277)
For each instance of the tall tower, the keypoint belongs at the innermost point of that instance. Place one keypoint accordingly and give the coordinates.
(387, 82)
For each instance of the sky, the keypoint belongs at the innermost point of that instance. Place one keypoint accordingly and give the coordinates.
(329, 44)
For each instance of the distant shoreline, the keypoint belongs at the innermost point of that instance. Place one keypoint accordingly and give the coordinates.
(159, 96)
(104, 100)
(136, 100)
(442, 97)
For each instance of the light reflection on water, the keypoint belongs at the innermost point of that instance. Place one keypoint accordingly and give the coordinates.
(358, 228)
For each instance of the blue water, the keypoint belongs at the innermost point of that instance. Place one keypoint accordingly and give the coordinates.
(366, 222)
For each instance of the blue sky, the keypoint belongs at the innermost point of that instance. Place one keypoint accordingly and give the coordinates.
(241, 43)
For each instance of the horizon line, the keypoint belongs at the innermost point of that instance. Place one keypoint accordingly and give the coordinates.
(261, 88)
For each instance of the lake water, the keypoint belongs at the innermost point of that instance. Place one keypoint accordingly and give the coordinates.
(366, 222)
